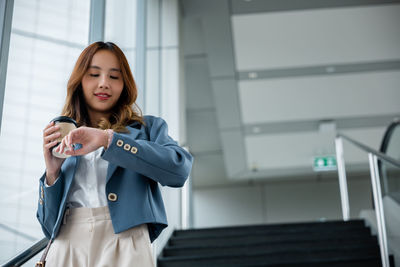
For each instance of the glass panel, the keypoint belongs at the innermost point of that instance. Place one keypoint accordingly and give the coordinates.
(120, 26)
(393, 149)
(153, 59)
(390, 173)
(391, 204)
(170, 97)
(153, 24)
(152, 83)
(169, 23)
(47, 37)
(59, 19)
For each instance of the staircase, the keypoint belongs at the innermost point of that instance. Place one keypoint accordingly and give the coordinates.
(333, 243)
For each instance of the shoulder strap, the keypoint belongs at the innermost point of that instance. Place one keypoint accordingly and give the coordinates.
(42, 261)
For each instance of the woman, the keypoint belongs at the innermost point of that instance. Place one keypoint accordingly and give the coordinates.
(102, 206)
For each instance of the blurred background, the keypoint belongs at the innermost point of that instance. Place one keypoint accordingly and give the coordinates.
(256, 90)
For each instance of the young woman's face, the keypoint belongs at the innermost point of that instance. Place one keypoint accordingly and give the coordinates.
(102, 83)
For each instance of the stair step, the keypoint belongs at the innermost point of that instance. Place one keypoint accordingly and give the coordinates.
(306, 247)
(249, 239)
(315, 244)
(270, 232)
(272, 227)
(276, 259)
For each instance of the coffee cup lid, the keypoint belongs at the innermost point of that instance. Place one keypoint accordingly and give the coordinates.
(64, 119)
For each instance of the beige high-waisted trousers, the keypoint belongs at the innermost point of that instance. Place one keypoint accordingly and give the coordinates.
(87, 238)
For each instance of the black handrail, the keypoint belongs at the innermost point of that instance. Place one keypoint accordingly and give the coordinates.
(388, 134)
(27, 254)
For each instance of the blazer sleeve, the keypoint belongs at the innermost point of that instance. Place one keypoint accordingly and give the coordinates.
(48, 204)
(160, 158)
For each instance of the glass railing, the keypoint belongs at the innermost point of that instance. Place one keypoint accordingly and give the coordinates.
(389, 173)
(384, 170)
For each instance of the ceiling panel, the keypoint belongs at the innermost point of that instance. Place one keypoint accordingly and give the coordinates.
(320, 97)
(296, 150)
(258, 6)
(316, 37)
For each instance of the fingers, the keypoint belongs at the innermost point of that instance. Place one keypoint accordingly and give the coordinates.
(48, 146)
(50, 128)
(61, 146)
(69, 141)
(50, 135)
(66, 143)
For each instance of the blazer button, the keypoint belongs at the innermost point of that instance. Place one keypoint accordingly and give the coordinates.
(112, 197)
(133, 150)
(120, 143)
(41, 201)
(127, 147)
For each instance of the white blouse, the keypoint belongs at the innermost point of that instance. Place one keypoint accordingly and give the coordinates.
(89, 185)
(88, 188)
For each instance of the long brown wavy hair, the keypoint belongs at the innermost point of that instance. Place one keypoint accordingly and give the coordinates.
(125, 110)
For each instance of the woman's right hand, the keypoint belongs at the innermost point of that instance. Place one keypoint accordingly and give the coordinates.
(53, 164)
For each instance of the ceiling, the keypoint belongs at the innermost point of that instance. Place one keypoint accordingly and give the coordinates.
(269, 83)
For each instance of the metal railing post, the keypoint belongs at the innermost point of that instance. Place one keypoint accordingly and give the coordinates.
(380, 217)
(185, 201)
(344, 195)
(185, 206)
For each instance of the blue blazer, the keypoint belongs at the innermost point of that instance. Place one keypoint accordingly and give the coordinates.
(138, 161)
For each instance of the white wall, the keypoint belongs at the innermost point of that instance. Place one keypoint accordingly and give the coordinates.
(277, 202)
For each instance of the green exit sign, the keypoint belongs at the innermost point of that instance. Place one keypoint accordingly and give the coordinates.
(324, 163)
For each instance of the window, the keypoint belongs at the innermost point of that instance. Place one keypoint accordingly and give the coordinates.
(46, 38)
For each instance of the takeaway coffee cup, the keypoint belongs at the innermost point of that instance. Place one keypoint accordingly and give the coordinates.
(66, 125)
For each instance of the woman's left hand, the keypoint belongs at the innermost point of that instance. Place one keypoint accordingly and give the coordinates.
(90, 139)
